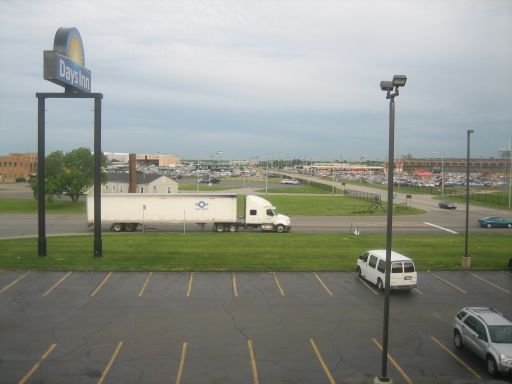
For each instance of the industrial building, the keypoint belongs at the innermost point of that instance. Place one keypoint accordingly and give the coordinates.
(16, 166)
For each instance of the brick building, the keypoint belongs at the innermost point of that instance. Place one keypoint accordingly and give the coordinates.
(18, 165)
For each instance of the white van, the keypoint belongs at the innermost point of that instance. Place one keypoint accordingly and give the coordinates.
(371, 265)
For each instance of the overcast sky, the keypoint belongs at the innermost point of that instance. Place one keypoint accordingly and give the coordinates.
(265, 78)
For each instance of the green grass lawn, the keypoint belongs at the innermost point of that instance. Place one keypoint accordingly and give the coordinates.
(301, 189)
(30, 206)
(205, 187)
(330, 205)
(248, 251)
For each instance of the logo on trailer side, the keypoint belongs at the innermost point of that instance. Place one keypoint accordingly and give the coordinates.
(65, 65)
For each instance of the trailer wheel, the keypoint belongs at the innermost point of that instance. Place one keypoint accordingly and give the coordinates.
(280, 228)
(117, 227)
(232, 228)
(130, 227)
(219, 228)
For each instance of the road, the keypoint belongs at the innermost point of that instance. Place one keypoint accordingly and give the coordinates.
(435, 220)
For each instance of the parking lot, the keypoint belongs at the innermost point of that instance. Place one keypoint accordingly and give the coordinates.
(223, 327)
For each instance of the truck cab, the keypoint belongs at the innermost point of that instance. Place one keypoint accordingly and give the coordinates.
(260, 213)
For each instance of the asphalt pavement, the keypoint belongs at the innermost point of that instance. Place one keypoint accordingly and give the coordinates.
(190, 327)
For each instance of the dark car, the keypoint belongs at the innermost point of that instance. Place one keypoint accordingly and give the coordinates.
(447, 205)
(495, 222)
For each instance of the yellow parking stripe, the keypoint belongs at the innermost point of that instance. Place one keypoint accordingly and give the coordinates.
(109, 365)
(190, 278)
(322, 284)
(393, 361)
(145, 284)
(456, 357)
(366, 285)
(448, 283)
(252, 356)
(36, 365)
(417, 291)
(322, 362)
(182, 362)
(491, 283)
(14, 282)
(56, 284)
(235, 290)
(93, 293)
(278, 284)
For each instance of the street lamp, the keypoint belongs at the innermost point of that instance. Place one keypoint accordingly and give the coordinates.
(220, 158)
(442, 172)
(391, 89)
(466, 261)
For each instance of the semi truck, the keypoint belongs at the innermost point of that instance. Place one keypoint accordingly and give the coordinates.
(125, 212)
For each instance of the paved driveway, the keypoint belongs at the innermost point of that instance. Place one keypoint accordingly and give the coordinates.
(181, 327)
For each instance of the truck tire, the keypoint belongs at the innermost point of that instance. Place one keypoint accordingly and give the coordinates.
(232, 228)
(117, 227)
(130, 227)
(219, 228)
(279, 228)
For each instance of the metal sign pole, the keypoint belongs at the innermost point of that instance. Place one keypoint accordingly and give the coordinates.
(98, 247)
(98, 251)
(41, 174)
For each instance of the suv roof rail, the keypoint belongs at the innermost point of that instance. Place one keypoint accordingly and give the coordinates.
(476, 311)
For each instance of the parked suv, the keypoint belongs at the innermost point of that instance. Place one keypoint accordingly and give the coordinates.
(488, 334)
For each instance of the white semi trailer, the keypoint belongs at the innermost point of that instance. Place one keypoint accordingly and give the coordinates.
(125, 212)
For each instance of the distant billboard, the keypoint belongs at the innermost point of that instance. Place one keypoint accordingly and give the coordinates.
(65, 65)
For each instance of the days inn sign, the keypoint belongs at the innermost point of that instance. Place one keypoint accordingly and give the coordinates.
(65, 65)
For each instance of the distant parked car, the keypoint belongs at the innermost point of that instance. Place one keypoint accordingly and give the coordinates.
(289, 181)
(495, 222)
(487, 333)
(447, 205)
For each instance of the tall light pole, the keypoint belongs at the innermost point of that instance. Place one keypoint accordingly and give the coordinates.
(220, 158)
(466, 261)
(391, 89)
(442, 172)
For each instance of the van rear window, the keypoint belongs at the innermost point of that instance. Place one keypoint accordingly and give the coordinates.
(408, 266)
(396, 268)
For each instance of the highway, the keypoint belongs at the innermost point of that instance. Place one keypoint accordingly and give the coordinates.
(435, 220)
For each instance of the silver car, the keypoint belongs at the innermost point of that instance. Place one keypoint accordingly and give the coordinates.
(487, 333)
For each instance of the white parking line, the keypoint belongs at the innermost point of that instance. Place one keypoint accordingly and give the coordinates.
(441, 228)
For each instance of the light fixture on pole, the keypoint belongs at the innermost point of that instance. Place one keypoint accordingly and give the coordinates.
(466, 259)
(442, 171)
(391, 89)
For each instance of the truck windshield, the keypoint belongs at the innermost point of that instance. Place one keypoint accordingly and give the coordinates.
(271, 212)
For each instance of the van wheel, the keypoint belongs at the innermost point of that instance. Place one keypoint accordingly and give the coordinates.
(380, 285)
(280, 228)
(457, 340)
(491, 366)
(358, 271)
(117, 227)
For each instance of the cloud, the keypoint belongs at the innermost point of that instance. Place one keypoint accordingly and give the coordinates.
(295, 76)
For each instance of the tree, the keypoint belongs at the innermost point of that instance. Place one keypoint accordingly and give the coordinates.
(70, 174)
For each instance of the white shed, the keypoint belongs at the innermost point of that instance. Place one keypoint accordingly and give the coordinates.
(119, 182)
